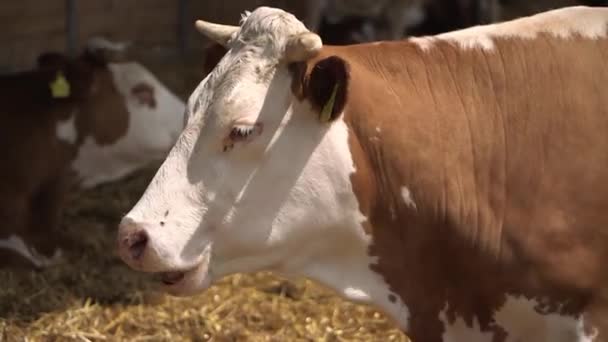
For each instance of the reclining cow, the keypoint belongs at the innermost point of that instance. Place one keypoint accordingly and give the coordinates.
(88, 120)
(459, 182)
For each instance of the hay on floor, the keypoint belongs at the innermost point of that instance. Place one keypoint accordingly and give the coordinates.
(94, 297)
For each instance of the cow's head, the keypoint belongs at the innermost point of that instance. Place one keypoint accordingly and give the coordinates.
(259, 178)
(128, 119)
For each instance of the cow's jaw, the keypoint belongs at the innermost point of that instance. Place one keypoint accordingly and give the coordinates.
(352, 277)
(190, 281)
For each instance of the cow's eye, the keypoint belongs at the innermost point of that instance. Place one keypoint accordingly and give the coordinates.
(242, 133)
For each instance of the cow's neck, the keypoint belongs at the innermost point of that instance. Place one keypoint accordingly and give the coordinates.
(407, 181)
(417, 255)
(342, 263)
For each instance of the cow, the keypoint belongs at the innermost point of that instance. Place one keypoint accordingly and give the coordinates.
(114, 143)
(74, 122)
(341, 22)
(457, 182)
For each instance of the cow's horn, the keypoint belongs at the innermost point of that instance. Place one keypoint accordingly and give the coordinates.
(303, 46)
(216, 32)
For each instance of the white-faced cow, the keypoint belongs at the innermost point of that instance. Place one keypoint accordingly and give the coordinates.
(459, 182)
(90, 119)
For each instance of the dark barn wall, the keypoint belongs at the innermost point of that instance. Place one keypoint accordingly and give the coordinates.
(29, 27)
(147, 22)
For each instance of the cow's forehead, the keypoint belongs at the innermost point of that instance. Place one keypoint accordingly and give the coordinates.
(227, 94)
(268, 27)
(248, 66)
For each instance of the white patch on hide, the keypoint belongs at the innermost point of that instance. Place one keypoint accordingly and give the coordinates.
(66, 130)
(348, 269)
(564, 23)
(459, 330)
(407, 197)
(521, 320)
(97, 164)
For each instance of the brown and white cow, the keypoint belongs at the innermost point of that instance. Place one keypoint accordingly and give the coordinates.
(86, 117)
(458, 182)
(130, 119)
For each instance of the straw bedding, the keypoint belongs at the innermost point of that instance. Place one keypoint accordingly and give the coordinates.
(94, 297)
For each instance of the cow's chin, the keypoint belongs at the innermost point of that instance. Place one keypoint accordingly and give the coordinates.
(189, 282)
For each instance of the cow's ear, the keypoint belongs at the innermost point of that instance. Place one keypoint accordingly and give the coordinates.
(100, 51)
(81, 77)
(326, 87)
(65, 79)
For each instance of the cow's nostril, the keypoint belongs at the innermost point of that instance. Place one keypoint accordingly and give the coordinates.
(136, 243)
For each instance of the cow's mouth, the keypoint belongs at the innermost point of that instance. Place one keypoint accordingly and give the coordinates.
(172, 278)
(175, 279)
(190, 281)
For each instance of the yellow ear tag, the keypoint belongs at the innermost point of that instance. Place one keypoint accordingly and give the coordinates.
(60, 88)
(329, 106)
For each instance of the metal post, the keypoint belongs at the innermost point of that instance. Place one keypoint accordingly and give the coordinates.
(71, 27)
(182, 25)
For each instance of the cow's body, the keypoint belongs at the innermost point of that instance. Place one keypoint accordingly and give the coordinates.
(460, 185)
(115, 118)
(484, 176)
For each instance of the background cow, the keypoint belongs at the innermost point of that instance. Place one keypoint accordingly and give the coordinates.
(341, 22)
(82, 121)
(347, 22)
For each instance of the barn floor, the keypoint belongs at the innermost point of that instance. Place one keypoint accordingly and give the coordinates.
(95, 297)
